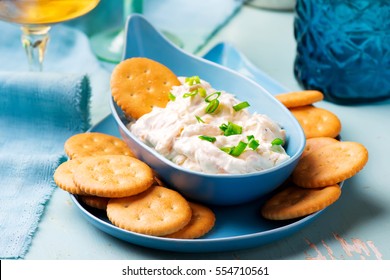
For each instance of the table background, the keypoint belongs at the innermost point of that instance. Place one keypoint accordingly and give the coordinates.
(355, 227)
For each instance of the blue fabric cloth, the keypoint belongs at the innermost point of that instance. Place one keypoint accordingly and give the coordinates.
(38, 112)
(68, 52)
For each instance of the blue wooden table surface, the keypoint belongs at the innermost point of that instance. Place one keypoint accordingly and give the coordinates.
(357, 226)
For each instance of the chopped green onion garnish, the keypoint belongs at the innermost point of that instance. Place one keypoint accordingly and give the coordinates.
(239, 149)
(202, 92)
(231, 129)
(172, 97)
(212, 96)
(241, 106)
(212, 106)
(199, 119)
(189, 94)
(277, 141)
(227, 150)
(208, 138)
(194, 80)
(253, 144)
(223, 127)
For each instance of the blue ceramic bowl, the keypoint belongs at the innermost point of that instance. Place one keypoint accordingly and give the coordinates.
(219, 189)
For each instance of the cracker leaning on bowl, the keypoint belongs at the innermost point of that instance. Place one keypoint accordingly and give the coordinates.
(139, 84)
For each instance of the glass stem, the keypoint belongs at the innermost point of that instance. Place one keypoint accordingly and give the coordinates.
(35, 39)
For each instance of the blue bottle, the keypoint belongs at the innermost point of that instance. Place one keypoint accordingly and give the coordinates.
(343, 49)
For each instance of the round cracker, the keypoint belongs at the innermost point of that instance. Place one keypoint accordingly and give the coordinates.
(299, 98)
(315, 143)
(317, 122)
(95, 201)
(158, 211)
(294, 202)
(95, 143)
(113, 176)
(330, 164)
(202, 221)
(63, 176)
(138, 84)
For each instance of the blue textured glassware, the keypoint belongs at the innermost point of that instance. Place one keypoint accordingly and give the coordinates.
(343, 48)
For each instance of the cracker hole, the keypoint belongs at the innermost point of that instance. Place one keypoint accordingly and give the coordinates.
(99, 179)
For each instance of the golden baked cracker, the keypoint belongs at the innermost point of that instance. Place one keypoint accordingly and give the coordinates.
(294, 202)
(138, 84)
(317, 122)
(330, 164)
(113, 176)
(95, 201)
(157, 211)
(315, 143)
(299, 98)
(202, 221)
(95, 143)
(63, 175)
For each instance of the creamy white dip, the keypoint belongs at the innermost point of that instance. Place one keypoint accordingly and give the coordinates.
(174, 132)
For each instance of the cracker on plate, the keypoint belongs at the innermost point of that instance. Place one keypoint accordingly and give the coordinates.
(95, 143)
(317, 122)
(299, 98)
(113, 176)
(330, 164)
(295, 202)
(202, 221)
(157, 211)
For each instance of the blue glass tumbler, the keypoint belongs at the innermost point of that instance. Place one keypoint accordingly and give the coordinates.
(343, 49)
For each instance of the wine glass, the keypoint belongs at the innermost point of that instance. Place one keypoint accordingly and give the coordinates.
(36, 17)
(108, 45)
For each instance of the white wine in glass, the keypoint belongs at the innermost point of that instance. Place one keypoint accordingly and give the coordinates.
(36, 17)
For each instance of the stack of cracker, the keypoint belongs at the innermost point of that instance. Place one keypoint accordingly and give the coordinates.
(104, 173)
(325, 161)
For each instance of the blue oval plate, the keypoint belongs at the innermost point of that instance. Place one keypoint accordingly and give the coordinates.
(237, 227)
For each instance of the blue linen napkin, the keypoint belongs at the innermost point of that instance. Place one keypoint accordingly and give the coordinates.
(38, 112)
(68, 52)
